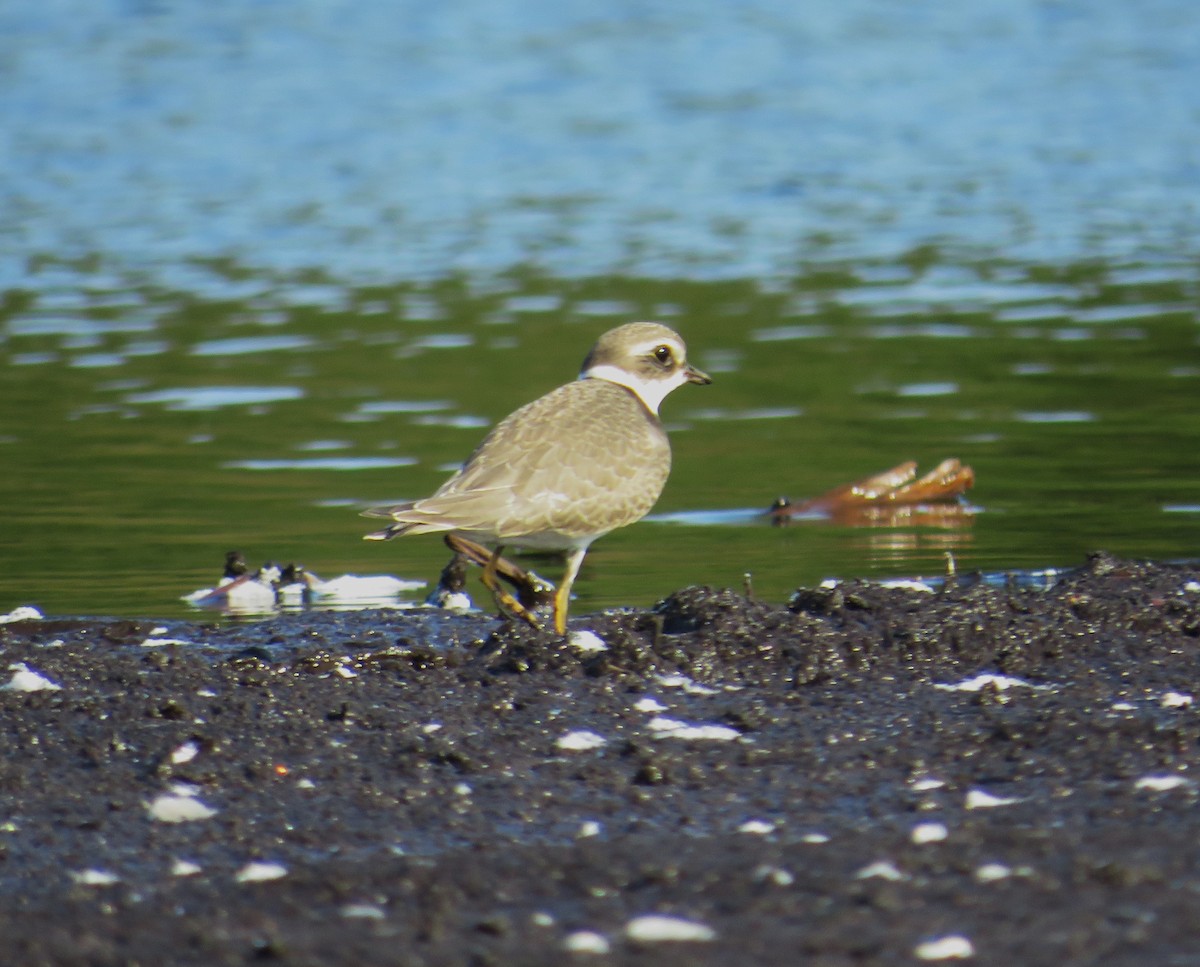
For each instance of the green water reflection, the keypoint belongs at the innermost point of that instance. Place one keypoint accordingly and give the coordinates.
(1070, 389)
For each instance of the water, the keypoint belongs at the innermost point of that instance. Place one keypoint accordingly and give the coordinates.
(263, 264)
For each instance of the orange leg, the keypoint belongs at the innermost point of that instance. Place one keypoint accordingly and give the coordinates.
(504, 600)
(562, 597)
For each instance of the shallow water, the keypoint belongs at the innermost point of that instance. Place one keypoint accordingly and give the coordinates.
(263, 265)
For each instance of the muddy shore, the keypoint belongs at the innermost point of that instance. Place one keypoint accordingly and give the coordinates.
(862, 776)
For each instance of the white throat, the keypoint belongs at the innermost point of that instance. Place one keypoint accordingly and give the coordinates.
(650, 391)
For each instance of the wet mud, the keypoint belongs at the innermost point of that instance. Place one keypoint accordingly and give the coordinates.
(865, 775)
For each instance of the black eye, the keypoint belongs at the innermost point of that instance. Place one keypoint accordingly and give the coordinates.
(663, 354)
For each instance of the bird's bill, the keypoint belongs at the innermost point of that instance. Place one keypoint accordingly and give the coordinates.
(699, 377)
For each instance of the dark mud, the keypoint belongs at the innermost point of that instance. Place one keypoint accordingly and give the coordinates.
(419, 790)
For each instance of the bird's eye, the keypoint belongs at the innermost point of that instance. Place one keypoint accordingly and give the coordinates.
(663, 354)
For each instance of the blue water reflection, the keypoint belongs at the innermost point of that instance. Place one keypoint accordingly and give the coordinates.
(380, 140)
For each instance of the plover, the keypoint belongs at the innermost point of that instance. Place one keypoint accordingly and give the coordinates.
(583, 460)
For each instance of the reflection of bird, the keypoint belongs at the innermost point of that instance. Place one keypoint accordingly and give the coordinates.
(299, 587)
(583, 460)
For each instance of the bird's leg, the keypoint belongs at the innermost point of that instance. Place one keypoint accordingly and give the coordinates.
(562, 597)
(504, 600)
(533, 590)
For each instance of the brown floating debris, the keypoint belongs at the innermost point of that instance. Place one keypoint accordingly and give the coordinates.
(891, 497)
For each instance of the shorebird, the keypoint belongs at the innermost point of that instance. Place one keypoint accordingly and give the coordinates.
(566, 469)
(240, 590)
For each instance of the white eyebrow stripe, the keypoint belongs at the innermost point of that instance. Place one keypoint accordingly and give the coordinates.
(647, 347)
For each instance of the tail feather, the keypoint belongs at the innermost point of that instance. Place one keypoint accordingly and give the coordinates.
(387, 511)
(384, 535)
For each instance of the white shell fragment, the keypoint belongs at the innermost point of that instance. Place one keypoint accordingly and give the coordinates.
(928, 833)
(580, 741)
(654, 928)
(95, 878)
(363, 911)
(945, 948)
(1162, 783)
(587, 641)
(586, 942)
(260, 872)
(689, 687)
(674, 729)
(773, 874)
(881, 869)
(978, 799)
(1176, 700)
(999, 682)
(25, 679)
(173, 807)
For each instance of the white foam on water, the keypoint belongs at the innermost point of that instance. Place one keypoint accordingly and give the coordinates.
(23, 613)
